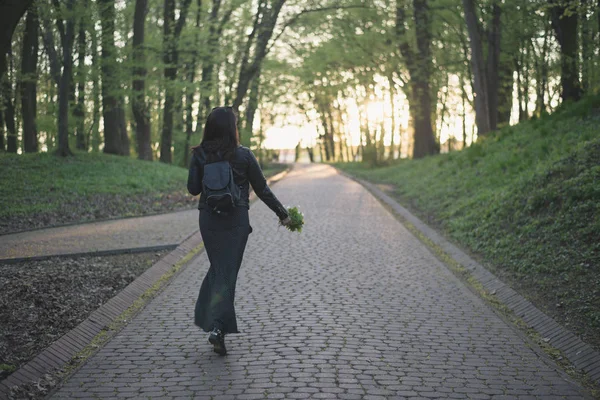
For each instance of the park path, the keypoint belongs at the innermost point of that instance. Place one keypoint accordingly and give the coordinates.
(152, 231)
(354, 307)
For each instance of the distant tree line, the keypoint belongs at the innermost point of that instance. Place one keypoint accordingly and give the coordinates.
(138, 78)
(527, 56)
(101, 71)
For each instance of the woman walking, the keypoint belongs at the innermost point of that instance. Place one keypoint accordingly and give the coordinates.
(224, 224)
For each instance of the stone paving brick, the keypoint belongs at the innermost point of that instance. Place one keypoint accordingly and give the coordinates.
(354, 307)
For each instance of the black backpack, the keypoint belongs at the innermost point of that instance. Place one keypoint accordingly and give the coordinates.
(219, 188)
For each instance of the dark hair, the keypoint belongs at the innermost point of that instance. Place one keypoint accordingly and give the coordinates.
(220, 132)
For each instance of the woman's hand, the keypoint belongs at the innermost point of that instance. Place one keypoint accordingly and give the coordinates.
(286, 221)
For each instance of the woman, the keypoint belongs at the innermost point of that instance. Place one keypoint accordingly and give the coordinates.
(225, 234)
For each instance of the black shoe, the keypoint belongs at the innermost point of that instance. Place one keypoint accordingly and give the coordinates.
(217, 339)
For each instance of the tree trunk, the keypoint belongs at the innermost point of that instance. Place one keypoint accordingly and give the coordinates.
(526, 81)
(392, 155)
(321, 152)
(518, 64)
(95, 128)
(208, 63)
(341, 133)
(424, 141)
(367, 122)
(505, 89)
(443, 110)
(420, 68)
(65, 83)
(110, 84)
(482, 116)
(381, 143)
(424, 137)
(264, 33)
(171, 32)
(325, 136)
(166, 138)
(564, 23)
(464, 115)
(51, 138)
(361, 138)
(587, 50)
(311, 154)
(493, 61)
(190, 88)
(139, 107)
(79, 112)
(122, 122)
(331, 132)
(11, 12)
(245, 59)
(400, 140)
(542, 77)
(2, 142)
(232, 70)
(49, 45)
(189, 111)
(251, 111)
(28, 82)
(9, 112)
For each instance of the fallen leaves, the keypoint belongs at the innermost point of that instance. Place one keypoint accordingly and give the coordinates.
(42, 300)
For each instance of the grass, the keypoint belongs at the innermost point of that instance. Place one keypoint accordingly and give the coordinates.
(526, 201)
(40, 182)
(38, 190)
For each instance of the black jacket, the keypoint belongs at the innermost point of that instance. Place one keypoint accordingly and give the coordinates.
(246, 171)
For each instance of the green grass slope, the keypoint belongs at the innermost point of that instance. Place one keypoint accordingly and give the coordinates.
(526, 200)
(42, 189)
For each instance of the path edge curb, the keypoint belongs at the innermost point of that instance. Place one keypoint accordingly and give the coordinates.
(68, 353)
(99, 253)
(127, 250)
(581, 355)
(72, 349)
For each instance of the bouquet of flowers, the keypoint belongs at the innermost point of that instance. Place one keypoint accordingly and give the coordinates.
(297, 220)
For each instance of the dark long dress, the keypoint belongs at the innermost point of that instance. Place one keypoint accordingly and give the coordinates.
(225, 238)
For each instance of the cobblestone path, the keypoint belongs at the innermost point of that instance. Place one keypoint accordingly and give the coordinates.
(128, 233)
(354, 307)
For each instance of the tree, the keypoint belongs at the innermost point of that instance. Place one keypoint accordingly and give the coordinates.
(9, 111)
(2, 144)
(28, 81)
(67, 38)
(419, 66)
(208, 62)
(485, 70)
(564, 22)
(115, 131)
(79, 111)
(11, 12)
(190, 88)
(138, 101)
(266, 19)
(172, 32)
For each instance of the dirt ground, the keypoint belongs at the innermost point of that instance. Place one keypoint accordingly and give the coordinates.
(42, 300)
